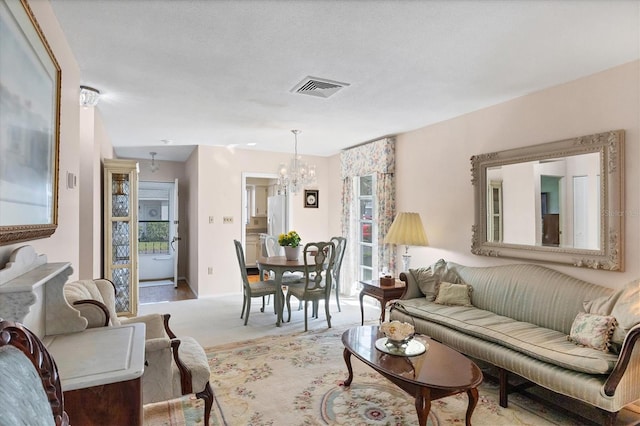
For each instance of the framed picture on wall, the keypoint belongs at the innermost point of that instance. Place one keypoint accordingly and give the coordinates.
(29, 127)
(311, 198)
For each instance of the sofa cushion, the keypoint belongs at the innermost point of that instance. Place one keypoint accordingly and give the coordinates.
(541, 343)
(592, 330)
(454, 294)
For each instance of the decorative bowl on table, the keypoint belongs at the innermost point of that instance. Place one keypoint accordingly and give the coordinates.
(398, 333)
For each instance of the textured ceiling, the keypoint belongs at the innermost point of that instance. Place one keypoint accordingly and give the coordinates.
(221, 72)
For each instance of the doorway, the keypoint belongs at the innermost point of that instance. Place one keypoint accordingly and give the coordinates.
(157, 233)
(259, 193)
(551, 207)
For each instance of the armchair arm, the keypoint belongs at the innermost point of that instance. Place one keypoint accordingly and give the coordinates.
(157, 344)
(154, 324)
(157, 380)
(623, 361)
(95, 312)
(167, 329)
(185, 373)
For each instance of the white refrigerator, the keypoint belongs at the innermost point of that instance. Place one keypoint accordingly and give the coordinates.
(277, 215)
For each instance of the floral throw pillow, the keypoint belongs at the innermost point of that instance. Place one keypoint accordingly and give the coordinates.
(593, 331)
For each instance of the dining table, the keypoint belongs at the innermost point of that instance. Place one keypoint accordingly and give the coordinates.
(279, 265)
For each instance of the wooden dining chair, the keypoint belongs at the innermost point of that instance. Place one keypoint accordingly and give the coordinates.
(250, 290)
(319, 259)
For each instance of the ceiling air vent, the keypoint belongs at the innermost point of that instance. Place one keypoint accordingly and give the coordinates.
(320, 87)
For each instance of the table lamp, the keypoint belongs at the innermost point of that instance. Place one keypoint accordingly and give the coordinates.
(407, 229)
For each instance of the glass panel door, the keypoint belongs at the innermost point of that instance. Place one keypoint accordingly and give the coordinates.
(367, 227)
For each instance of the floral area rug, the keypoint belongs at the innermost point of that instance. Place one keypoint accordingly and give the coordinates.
(297, 380)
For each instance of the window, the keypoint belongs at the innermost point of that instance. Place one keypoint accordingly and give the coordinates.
(153, 226)
(494, 213)
(367, 227)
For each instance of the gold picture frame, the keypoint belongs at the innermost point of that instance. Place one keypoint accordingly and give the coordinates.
(30, 78)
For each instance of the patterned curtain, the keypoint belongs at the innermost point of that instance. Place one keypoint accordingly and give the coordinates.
(376, 158)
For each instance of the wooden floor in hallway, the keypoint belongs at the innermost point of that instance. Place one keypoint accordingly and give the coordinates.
(165, 293)
(168, 293)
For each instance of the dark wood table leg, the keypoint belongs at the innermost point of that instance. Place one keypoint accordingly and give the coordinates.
(347, 360)
(423, 405)
(383, 309)
(473, 401)
(361, 308)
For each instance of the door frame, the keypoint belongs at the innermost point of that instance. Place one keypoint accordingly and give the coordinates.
(172, 188)
(243, 207)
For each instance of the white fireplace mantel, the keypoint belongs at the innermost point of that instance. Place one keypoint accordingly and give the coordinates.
(31, 292)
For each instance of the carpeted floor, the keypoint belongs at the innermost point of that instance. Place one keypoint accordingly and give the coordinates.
(296, 379)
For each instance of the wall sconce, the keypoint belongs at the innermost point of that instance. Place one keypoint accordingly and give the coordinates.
(407, 229)
(89, 96)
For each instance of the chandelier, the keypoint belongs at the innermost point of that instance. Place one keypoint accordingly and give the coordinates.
(153, 167)
(298, 174)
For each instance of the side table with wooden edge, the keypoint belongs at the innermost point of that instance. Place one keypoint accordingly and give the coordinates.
(101, 374)
(383, 294)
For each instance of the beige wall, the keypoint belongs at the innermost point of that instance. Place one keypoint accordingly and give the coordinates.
(433, 168)
(219, 193)
(63, 245)
(191, 232)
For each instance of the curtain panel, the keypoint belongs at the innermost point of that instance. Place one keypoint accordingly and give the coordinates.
(374, 158)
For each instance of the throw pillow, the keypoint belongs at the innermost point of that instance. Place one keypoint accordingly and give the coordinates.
(626, 311)
(593, 331)
(454, 294)
(428, 278)
(601, 305)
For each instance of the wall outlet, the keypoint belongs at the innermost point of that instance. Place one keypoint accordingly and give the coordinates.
(227, 219)
(210, 219)
(210, 270)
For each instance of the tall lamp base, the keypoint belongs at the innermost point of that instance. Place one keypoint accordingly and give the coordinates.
(406, 261)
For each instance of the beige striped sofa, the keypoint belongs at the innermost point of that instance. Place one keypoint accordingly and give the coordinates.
(519, 321)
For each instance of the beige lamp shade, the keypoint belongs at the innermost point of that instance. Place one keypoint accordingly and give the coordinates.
(407, 229)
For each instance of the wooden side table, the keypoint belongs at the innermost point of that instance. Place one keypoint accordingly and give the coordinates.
(101, 374)
(384, 294)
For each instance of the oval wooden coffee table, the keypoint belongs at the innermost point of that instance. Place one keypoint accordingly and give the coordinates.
(435, 374)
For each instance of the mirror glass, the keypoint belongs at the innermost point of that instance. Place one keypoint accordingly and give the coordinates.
(554, 203)
(559, 201)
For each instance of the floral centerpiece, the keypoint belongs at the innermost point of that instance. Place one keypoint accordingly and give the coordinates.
(291, 239)
(291, 243)
(398, 333)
